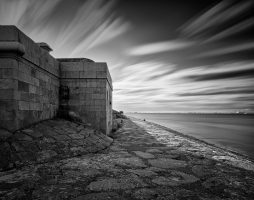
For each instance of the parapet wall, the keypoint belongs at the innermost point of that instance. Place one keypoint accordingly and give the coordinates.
(30, 80)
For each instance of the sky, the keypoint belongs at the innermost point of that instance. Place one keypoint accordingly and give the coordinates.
(163, 56)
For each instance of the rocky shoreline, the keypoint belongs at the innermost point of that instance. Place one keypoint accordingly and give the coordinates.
(144, 161)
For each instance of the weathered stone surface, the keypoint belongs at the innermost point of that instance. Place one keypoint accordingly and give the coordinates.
(167, 163)
(4, 135)
(132, 161)
(118, 172)
(123, 183)
(142, 172)
(76, 136)
(70, 130)
(145, 193)
(5, 156)
(144, 155)
(176, 178)
(21, 136)
(153, 151)
(32, 133)
(201, 170)
(100, 196)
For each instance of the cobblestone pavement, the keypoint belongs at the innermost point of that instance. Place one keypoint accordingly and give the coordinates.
(145, 161)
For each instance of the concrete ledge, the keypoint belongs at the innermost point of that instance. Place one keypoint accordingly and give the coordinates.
(12, 47)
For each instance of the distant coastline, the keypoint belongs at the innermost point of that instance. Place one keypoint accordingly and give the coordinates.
(190, 113)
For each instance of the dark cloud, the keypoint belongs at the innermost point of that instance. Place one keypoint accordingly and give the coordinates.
(249, 91)
(224, 75)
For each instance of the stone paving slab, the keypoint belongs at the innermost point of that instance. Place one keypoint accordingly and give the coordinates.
(144, 161)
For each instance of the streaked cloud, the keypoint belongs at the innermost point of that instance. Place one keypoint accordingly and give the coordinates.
(105, 32)
(178, 90)
(26, 12)
(86, 25)
(158, 47)
(227, 50)
(220, 14)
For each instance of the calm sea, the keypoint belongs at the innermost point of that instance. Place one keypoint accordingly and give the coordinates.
(235, 132)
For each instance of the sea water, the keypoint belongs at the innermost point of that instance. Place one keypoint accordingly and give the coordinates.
(230, 131)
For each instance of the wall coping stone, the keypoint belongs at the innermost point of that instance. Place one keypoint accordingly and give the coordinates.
(12, 47)
(74, 60)
(44, 46)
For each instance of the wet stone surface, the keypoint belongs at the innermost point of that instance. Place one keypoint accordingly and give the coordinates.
(57, 159)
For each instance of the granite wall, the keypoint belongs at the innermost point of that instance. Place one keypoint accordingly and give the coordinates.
(30, 79)
(90, 88)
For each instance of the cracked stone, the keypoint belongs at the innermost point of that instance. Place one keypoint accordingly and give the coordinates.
(124, 183)
(212, 182)
(145, 193)
(201, 170)
(153, 151)
(70, 130)
(132, 161)
(167, 163)
(100, 196)
(46, 155)
(20, 136)
(176, 178)
(144, 155)
(32, 133)
(76, 136)
(4, 135)
(142, 172)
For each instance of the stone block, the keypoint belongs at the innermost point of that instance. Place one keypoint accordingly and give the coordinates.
(9, 73)
(82, 83)
(71, 74)
(24, 68)
(101, 67)
(89, 66)
(71, 66)
(103, 96)
(23, 105)
(49, 67)
(87, 74)
(6, 63)
(24, 96)
(22, 86)
(24, 77)
(34, 106)
(96, 96)
(36, 82)
(7, 84)
(6, 94)
(62, 74)
(32, 89)
(101, 74)
(9, 33)
(47, 86)
(41, 76)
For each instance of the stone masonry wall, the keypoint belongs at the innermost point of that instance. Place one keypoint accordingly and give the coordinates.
(29, 81)
(90, 87)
